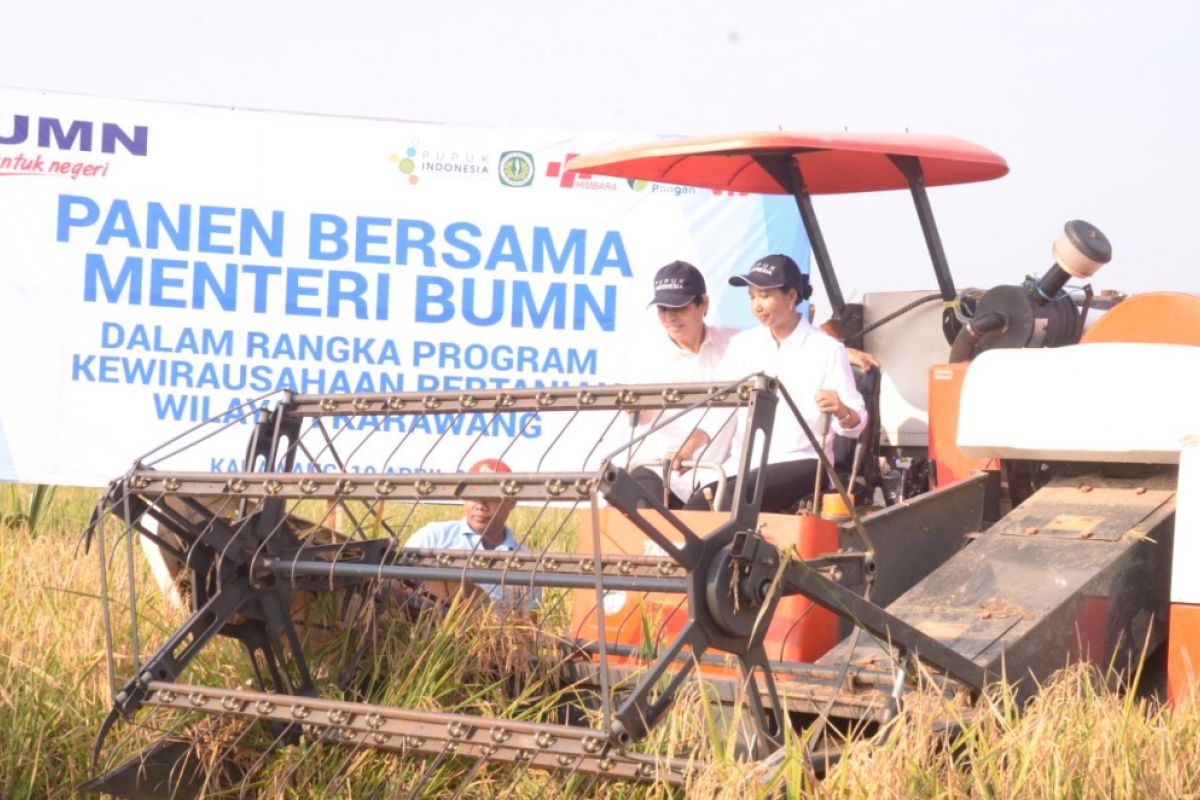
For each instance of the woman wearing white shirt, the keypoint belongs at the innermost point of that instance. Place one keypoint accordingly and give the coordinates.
(812, 367)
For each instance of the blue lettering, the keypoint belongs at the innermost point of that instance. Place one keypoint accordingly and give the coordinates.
(324, 228)
(295, 291)
(159, 281)
(111, 135)
(554, 304)
(363, 237)
(49, 127)
(406, 242)
(616, 259)
(180, 232)
(20, 130)
(585, 301)
(209, 228)
(573, 250)
(469, 300)
(433, 299)
(205, 278)
(260, 273)
(506, 248)
(96, 273)
(470, 251)
(119, 223)
(66, 218)
(354, 295)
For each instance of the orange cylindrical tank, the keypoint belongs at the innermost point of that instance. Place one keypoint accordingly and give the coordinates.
(945, 392)
(1154, 318)
(648, 621)
(801, 629)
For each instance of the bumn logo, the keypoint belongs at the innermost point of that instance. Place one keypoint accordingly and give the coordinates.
(516, 168)
(52, 132)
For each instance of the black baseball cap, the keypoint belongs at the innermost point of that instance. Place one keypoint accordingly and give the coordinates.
(773, 272)
(677, 284)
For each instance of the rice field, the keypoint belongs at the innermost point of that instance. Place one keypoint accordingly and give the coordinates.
(1078, 739)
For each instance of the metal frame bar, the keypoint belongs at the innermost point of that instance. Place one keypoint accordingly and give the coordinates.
(910, 167)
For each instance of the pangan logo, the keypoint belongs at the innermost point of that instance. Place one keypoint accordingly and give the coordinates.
(516, 168)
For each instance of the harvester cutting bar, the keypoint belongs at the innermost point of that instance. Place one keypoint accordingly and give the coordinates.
(540, 745)
(429, 487)
(593, 398)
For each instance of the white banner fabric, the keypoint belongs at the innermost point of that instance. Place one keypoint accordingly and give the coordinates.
(160, 264)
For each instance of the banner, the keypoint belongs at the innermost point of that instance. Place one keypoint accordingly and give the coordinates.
(162, 264)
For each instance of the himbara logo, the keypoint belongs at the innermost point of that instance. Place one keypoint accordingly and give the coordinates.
(577, 180)
(56, 134)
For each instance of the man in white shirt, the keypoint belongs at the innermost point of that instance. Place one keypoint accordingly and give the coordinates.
(688, 353)
(483, 527)
(810, 365)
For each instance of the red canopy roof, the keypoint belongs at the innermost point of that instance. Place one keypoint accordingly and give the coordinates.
(832, 163)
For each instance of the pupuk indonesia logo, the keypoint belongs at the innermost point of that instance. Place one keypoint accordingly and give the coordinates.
(516, 168)
(419, 162)
(405, 163)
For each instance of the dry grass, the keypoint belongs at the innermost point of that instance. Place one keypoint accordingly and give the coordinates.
(1078, 739)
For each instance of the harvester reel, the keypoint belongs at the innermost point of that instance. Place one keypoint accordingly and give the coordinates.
(250, 556)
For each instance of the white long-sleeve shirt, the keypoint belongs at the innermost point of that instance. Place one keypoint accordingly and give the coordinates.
(806, 361)
(660, 360)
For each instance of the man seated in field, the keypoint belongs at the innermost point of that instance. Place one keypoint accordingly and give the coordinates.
(483, 527)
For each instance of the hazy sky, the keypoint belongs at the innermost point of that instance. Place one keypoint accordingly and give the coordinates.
(1093, 104)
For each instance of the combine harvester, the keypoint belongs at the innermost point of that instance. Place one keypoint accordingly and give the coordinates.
(793, 620)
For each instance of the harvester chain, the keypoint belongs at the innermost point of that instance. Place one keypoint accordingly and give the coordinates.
(540, 745)
(429, 487)
(677, 396)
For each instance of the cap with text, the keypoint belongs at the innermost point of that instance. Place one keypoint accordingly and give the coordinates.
(677, 284)
(773, 272)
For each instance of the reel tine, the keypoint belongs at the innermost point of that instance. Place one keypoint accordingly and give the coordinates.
(586, 790)
(342, 772)
(464, 782)
(514, 780)
(529, 420)
(229, 749)
(439, 439)
(430, 767)
(366, 438)
(261, 761)
(554, 441)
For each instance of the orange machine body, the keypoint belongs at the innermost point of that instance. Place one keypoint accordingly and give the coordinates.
(945, 392)
(1154, 318)
(1164, 318)
(799, 631)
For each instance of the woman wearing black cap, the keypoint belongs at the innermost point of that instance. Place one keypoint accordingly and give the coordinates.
(813, 368)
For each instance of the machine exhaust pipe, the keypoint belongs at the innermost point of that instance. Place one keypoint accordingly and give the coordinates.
(1037, 313)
